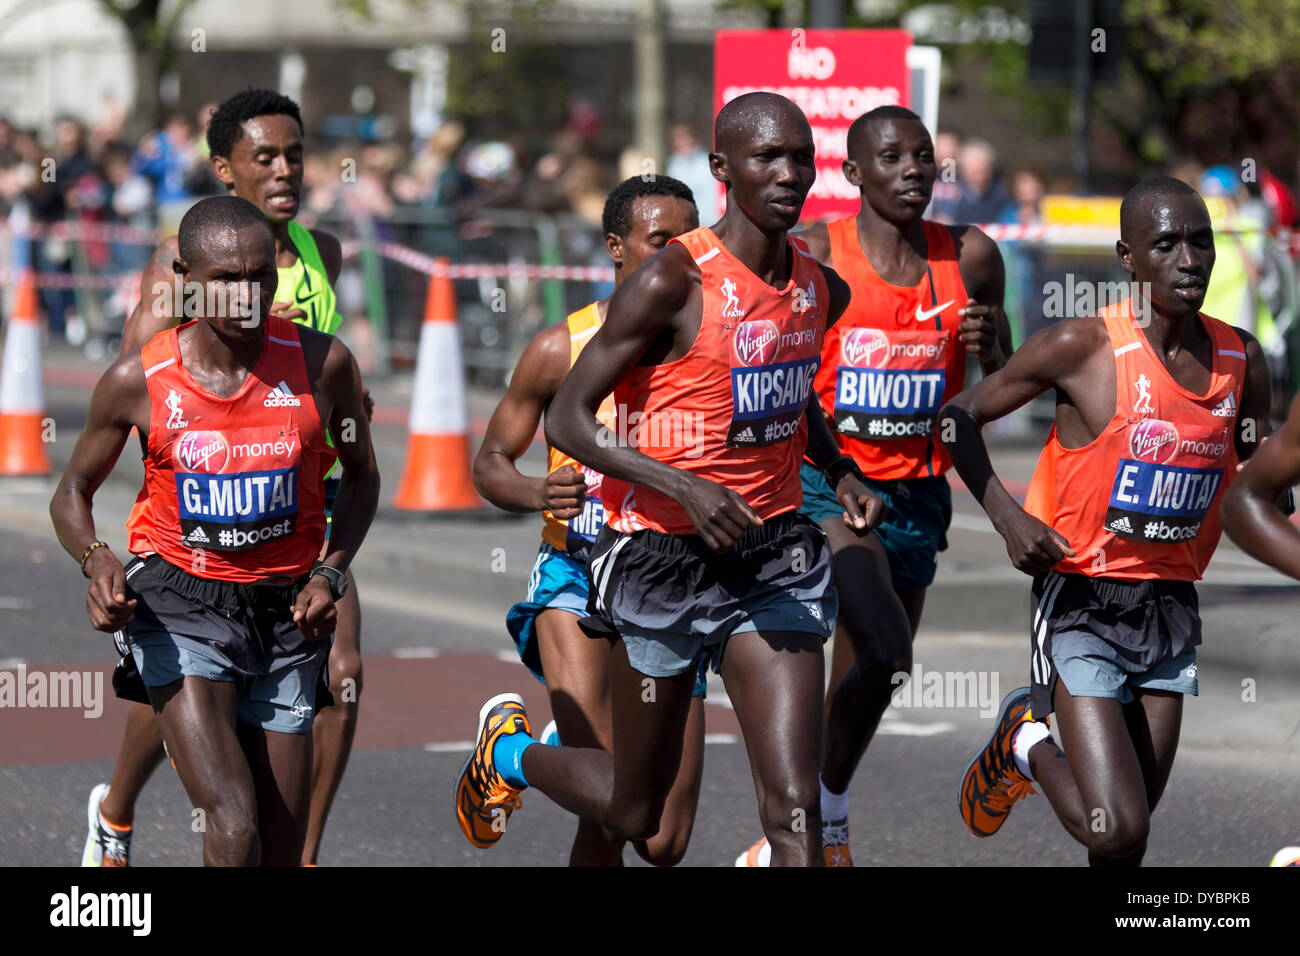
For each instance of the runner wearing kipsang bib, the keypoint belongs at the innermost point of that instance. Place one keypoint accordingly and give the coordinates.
(235, 520)
(887, 367)
(1139, 506)
(559, 576)
(730, 410)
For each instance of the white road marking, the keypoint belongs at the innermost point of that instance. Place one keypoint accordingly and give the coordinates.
(14, 603)
(8, 662)
(410, 652)
(454, 746)
(510, 657)
(721, 739)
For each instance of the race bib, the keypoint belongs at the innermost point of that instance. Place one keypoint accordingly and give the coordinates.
(890, 384)
(1164, 487)
(583, 529)
(771, 379)
(238, 488)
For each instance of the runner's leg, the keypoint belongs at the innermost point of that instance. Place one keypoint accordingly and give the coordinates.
(625, 790)
(668, 846)
(141, 753)
(335, 726)
(1098, 793)
(282, 769)
(197, 718)
(577, 680)
(775, 682)
(874, 624)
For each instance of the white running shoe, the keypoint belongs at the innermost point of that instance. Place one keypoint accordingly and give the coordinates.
(104, 845)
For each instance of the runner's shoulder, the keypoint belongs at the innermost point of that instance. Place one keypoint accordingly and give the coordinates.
(331, 252)
(817, 238)
(975, 247)
(665, 280)
(124, 380)
(545, 361)
(1069, 343)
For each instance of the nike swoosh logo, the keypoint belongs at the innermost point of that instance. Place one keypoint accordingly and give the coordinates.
(922, 316)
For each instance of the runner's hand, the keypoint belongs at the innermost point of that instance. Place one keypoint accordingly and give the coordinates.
(563, 492)
(368, 402)
(1033, 546)
(863, 510)
(285, 310)
(106, 601)
(978, 332)
(314, 611)
(719, 514)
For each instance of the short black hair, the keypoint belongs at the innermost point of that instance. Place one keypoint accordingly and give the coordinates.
(215, 212)
(227, 123)
(1156, 187)
(617, 217)
(859, 129)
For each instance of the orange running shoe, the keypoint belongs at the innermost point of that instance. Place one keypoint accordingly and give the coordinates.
(993, 783)
(484, 801)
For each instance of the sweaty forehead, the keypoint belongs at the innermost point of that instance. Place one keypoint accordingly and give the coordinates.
(222, 248)
(1170, 213)
(761, 121)
(275, 129)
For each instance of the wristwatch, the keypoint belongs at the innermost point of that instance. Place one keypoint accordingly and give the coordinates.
(338, 580)
(844, 465)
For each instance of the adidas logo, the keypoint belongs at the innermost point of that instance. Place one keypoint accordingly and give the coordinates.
(746, 435)
(281, 397)
(1226, 408)
(1121, 525)
(197, 536)
(849, 424)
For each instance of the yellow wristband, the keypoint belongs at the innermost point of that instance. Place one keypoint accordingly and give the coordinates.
(90, 550)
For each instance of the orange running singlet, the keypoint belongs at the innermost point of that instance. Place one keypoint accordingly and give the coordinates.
(893, 358)
(235, 485)
(582, 530)
(731, 409)
(1142, 499)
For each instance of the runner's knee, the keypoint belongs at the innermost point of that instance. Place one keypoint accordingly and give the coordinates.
(793, 807)
(345, 674)
(1118, 838)
(233, 838)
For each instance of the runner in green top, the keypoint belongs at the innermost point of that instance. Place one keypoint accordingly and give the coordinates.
(255, 140)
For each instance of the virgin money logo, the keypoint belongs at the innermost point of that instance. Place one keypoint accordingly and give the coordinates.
(204, 452)
(757, 342)
(865, 348)
(594, 480)
(1153, 440)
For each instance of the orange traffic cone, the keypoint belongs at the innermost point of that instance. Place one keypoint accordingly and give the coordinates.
(436, 476)
(22, 400)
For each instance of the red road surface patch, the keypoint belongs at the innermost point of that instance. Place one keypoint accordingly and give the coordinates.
(405, 703)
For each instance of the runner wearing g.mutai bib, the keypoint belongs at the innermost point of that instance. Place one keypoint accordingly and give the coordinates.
(1156, 404)
(226, 614)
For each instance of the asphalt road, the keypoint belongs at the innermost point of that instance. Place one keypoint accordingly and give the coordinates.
(434, 592)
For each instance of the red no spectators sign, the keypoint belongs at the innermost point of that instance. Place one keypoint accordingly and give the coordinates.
(833, 75)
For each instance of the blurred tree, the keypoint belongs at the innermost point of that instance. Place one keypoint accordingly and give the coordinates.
(155, 53)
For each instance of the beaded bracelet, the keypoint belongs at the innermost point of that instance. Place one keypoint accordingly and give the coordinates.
(86, 554)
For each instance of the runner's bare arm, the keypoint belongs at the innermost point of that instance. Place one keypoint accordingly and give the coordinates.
(157, 292)
(1249, 511)
(338, 380)
(119, 403)
(650, 303)
(1253, 424)
(984, 330)
(331, 253)
(358, 496)
(1050, 358)
(536, 378)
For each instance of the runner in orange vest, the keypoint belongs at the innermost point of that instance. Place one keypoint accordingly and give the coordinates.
(640, 217)
(226, 610)
(710, 349)
(925, 298)
(1156, 404)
